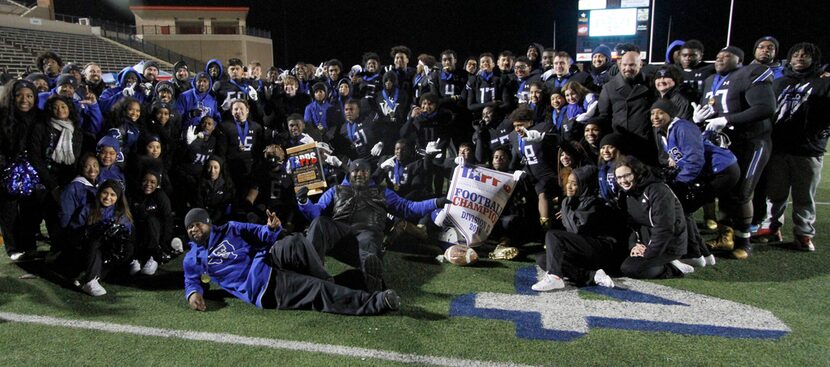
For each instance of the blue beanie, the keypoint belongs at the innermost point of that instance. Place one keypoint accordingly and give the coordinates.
(604, 50)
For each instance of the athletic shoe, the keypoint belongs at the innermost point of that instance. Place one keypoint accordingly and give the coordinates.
(724, 241)
(373, 273)
(754, 228)
(93, 288)
(742, 252)
(391, 300)
(685, 269)
(767, 235)
(17, 256)
(150, 267)
(135, 267)
(710, 260)
(697, 262)
(603, 280)
(804, 243)
(548, 283)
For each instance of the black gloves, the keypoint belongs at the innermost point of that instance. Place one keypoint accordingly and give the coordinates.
(440, 202)
(302, 195)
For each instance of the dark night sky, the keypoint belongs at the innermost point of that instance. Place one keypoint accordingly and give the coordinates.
(322, 29)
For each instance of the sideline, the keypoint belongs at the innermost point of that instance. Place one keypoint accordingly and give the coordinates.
(249, 341)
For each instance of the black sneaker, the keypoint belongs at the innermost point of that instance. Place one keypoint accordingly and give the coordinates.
(373, 273)
(391, 300)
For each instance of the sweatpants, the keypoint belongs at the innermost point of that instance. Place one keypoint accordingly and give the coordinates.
(299, 281)
(342, 242)
(798, 176)
(575, 256)
(656, 267)
(20, 221)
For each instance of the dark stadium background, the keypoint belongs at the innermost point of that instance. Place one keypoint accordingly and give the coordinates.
(313, 31)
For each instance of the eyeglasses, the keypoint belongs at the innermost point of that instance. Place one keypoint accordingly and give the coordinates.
(627, 176)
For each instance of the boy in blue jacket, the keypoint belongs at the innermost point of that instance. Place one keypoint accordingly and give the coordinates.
(247, 261)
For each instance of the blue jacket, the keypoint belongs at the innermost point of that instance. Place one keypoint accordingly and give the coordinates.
(192, 105)
(108, 213)
(686, 146)
(77, 195)
(234, 258)
(112, 95)
(395, 205)
(608, 188)
(112, 172)
(90, 115)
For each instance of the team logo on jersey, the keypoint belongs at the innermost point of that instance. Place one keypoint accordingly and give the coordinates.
(791, 100)
(676, 154)
(634, 305)
(223, 251)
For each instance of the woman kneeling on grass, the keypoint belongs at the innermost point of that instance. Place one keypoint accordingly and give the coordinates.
(658, 220)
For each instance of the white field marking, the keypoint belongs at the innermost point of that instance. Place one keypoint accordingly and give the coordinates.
(250, 341)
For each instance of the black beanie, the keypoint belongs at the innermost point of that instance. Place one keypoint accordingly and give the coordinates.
(767, 38)
(178, 65)
(614, 139)
(735, 51)
(665, 105)
(196, 215)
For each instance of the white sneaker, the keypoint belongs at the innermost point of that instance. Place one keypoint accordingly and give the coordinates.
(150, 267)
(548, 283)
(177, 245)
(135, 267)
(697, 262)
(93, 288)
(685, 269)
(603, 280)
(710, 260)
(14, 256)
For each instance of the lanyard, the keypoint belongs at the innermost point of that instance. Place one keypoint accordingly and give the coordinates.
(398, 171)
(391, 103)
(446, 76)
(242, 137)
(351, 128)
(718, 82)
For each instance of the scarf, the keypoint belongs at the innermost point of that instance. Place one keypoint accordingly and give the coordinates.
(63, 153)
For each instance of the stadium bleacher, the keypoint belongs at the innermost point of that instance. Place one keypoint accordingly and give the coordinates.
(19, 49)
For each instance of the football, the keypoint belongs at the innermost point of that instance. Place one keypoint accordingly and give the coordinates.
(461, 255)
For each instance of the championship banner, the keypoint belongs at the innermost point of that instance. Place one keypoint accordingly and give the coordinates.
(478, 196)
(306, 166)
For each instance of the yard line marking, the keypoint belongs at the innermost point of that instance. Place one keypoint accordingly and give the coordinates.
(251, 341)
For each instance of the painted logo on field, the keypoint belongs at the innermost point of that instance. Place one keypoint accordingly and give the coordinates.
(563, 315)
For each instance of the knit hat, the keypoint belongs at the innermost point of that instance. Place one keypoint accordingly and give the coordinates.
(735, 51)
(359, 164)
(115, 185)
(604, 50)
(196, 215)
(149, 64)
(108, 141)
(24, 84)
(35, 76)
(319, 86)
(391, 75)
(614, 139)
(165, 85)
(67, 79)
(767, 38)
(71, 67)
(178, 65)
(157, 105)
(665, 105)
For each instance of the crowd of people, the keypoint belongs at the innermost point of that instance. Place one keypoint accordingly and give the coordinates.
(615, 158)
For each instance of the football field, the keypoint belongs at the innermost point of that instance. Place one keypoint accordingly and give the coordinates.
(772, 310)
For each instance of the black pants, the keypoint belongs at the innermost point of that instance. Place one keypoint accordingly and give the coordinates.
(299, 281)
(656, 267)
(148, 238)
(575, 256)
(90, 258)
(753, 156)
(20, 221)
(343, 242)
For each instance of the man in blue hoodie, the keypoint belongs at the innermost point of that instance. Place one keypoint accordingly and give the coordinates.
(86, 104)
(128, 86)
(248, 261)
(196, 103)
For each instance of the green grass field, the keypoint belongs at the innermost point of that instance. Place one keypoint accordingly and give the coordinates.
(793, 286)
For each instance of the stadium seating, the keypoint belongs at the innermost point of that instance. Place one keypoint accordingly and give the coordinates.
(19, 48)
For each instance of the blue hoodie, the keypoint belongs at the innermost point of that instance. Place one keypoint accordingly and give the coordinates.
(234, 257)
(113, 172)
(78, 194)
(192, 105)
(221, 70)
(112, 95)
(672, 46)
(90, 115)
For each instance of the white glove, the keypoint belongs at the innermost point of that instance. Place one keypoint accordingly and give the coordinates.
(306, 139)
(148, 88)
(129, 91)
(432, 147)
(585, 116)
(377, 149)
(716, 124)
(176, 245)
(191, 134)
(324, 147)
(333, 161)
(702, 112)
(517, 175)
(459, 161)
(252, 94)
(532, 136)
(226, 104)
(389, 163)
(319, 72)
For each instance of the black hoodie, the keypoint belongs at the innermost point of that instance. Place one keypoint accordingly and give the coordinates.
(802, 123)
(657, 216)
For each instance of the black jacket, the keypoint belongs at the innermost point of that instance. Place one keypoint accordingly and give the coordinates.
(657, 216)
(802, 123)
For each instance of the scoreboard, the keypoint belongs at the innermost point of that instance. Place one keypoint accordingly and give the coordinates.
(610, 22)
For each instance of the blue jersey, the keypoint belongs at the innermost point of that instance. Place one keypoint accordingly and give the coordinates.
(692, 154)
(234, 257)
